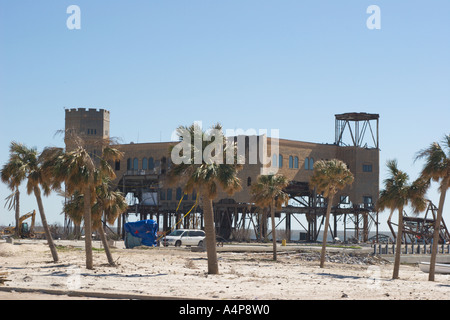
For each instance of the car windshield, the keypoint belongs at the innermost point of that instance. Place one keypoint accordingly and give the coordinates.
(176, 233)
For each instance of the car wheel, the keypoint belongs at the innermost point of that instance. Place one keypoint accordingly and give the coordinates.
(200, 243)
(178, 243)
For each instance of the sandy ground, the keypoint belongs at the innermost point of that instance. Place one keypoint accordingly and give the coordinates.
(180, 273)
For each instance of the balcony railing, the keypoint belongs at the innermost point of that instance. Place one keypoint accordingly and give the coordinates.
(142, 172)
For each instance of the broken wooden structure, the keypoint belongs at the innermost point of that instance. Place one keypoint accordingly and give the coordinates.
(417, 229)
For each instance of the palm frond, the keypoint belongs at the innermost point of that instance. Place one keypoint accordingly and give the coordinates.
(209, 174)
(330, 176)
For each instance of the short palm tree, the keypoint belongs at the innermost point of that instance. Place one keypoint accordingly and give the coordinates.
(81, 174)
(397, 194)
(328, 178)
(437, 168)
(268, 192)
(108, 204)
(206, 176)
(26, 164)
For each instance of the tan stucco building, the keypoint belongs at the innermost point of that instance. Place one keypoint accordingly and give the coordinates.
(143, 172)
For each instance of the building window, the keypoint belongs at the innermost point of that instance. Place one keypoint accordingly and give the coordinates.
(169, 194)
(367, 168)
(129, 164)
(367, 200)
(151, 163)
(117, 165)
(295, 162)
(274, 161)
(291, 162)
(135, 164)
(280, 161)
(178, 195)
(162, 194)
(194, 195)
(345, 200)
(249, 181)
(311, 163)
(144, 163)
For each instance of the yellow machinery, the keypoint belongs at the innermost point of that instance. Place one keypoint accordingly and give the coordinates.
(25, 230)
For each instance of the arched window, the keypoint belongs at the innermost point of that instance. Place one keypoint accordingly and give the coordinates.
(306, 163)
(144, 163)
(280, 161)
(311, 164)
(249, 181)
(129, 164)
(151, 163)
(296, 162)
(291, 162)
(135, 164)
(274, 161)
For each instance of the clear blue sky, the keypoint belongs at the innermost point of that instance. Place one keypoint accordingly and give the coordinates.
(288, 65)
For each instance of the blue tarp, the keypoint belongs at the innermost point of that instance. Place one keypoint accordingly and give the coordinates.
(142, 232)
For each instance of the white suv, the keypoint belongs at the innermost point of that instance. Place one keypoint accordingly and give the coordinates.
(187, 237)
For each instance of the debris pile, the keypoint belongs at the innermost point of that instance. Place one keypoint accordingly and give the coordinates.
(345, 258)
(3, 277)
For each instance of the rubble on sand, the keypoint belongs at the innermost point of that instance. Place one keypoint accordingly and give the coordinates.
(343, 257)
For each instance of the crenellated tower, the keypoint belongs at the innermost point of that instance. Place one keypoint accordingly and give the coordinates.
(91, 126)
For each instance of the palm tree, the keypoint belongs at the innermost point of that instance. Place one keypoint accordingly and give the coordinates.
(26, 164)
(205, 175)
(328, 178)
(268, 192)
(81, 174)
(437, 168)
(13, 202)
(396, 195)
(108, 203)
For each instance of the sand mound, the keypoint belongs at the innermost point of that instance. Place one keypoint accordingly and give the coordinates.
(8, 249)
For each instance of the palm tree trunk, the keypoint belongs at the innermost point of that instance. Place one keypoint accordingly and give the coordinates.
(325, 231)
(274, 236)
(398, 247)
(101, 230)
(210, 235)
(437, 227)
(17, 206)
(88, 228)
(51, 244)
